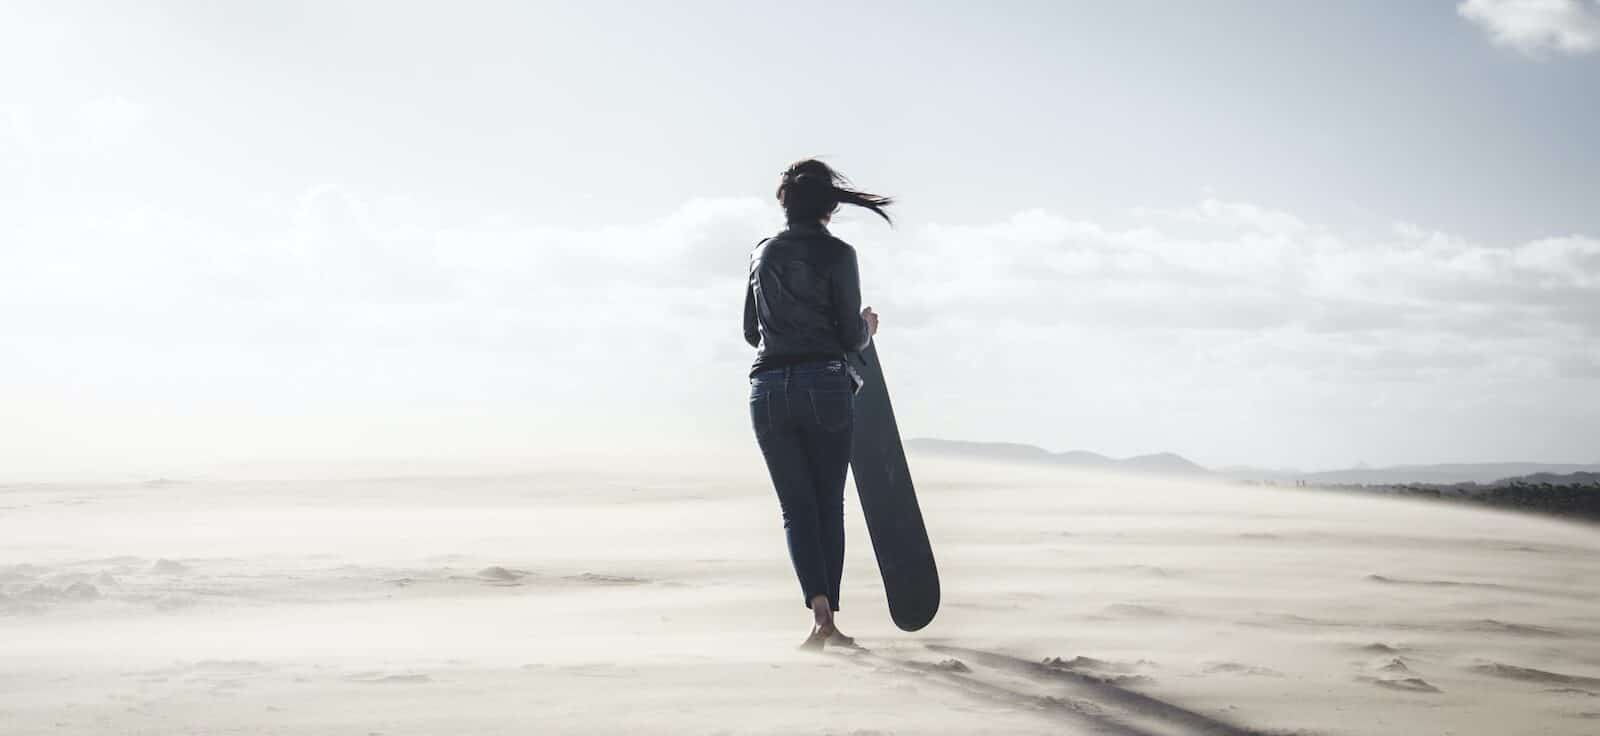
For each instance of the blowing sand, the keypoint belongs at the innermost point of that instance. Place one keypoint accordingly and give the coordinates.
(612, 601)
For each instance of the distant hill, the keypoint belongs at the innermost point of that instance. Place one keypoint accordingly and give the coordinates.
(1583, 478)
(1575, 495)
(1167, 463)
(1164, 463)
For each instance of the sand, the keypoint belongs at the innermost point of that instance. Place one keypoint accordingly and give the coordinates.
(603, 599)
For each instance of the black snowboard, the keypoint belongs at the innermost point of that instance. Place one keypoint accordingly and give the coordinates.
(889, 502)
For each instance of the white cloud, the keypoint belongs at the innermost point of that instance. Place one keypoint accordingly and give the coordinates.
(1218, 268)
(1531, 26)
(1240, 267)
(1219, 309)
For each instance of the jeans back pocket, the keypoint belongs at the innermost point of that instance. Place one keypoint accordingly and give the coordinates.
(834, 409)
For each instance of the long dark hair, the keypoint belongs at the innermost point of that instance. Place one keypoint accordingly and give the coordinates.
(811, 190)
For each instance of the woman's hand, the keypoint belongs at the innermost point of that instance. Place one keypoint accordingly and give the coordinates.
(872, 321)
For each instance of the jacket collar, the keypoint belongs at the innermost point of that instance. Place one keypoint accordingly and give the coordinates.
(807, 227)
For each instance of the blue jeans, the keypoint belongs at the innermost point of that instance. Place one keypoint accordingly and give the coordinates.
(803, 417)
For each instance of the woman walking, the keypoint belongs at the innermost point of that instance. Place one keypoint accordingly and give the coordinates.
(802, 313)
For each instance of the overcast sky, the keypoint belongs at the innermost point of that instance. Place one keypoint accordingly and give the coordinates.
(1287, 234)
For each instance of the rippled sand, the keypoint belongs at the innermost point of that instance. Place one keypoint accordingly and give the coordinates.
(597, 599)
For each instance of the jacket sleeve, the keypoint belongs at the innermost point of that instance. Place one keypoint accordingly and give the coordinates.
(752, 330)
(853, 335)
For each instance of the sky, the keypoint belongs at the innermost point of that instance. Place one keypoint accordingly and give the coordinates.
(1264, 233)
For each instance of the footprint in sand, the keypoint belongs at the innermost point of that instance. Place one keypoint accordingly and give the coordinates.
(1235, 668)
(1379, 647)
(497, 575)
(1395, 666)
(1096, 665)
(379, 678)
(1393, 672)
(1115, 673)
(1409, 684)
(599, 579)
(1137, 610)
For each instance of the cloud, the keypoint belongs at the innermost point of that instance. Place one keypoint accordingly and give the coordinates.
(337, 264)
(1532, 26)
(1223, 266)
(344, 302)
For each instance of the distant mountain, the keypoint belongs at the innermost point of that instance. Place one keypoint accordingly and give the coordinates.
(1164, 463)
(990, 450)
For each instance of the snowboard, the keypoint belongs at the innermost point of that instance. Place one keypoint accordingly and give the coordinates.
(889, 501)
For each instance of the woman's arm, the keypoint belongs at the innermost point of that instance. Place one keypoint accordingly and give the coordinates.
(752, 329)
(854, 333)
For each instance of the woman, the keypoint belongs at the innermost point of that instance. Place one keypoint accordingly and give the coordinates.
(801, 315)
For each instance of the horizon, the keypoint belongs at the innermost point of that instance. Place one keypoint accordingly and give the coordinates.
(1240, 467)
(1287, 236)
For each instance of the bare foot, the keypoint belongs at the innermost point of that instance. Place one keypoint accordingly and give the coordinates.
(814, 642)
(822, 619)
(836, 638)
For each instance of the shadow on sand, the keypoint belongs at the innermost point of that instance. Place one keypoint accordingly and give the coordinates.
(1098, 703)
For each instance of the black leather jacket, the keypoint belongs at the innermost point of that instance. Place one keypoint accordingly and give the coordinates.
(802, 300)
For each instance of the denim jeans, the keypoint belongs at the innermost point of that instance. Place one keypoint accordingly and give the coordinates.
(803, 417)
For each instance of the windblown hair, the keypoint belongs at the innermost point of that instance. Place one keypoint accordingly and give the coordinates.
(811, 190)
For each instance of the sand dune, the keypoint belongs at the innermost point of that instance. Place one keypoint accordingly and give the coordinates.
(575, 600)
